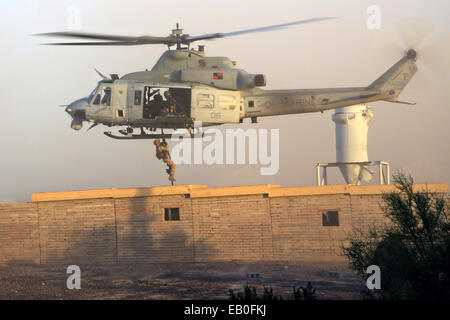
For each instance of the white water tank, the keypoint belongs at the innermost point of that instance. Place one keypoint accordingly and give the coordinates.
(351, 142)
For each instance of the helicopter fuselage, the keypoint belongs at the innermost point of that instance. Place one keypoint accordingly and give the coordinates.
(212, 90)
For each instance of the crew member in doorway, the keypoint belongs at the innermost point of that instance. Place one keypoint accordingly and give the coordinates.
(170, 102)
(156, 106)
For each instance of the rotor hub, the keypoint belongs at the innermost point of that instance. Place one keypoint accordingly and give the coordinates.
(411, 54)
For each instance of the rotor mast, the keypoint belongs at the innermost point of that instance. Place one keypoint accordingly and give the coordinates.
(177, 33)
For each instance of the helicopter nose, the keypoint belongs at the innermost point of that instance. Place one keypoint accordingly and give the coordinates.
(69, 109)
(77, 109)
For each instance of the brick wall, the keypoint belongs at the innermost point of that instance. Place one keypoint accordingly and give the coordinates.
(19, 233)
(259, 223)
(232, 228)
(143, 236)
(298, 231)
(77, 231)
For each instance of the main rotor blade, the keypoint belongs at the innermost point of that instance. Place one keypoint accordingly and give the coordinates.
(112, 40)
(85, 35)
(101, 43)
(109, 43)
(261, 29)
(116, 40)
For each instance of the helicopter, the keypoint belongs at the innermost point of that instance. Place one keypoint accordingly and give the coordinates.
(207, 89)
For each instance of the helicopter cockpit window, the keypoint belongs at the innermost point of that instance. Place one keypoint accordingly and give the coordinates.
(103, 96)
(97, 99)
(93, 92)
(106, 96)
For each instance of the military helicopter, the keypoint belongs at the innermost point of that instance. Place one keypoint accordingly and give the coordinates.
(207, 89)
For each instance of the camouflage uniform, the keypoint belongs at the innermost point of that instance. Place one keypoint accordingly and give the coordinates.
(162, 153)
(170, 102)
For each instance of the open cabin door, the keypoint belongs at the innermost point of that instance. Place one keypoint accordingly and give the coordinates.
(211, 105)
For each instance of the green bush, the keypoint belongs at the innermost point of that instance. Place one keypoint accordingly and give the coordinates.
(412, 250)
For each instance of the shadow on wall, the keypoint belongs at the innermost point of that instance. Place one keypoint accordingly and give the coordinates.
(136, 233)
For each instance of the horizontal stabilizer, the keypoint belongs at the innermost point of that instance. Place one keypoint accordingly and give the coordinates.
(402, 102)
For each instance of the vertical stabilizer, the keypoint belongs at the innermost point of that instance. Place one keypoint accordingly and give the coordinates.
(393, 81)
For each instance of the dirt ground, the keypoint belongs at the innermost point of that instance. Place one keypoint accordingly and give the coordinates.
(172, 281)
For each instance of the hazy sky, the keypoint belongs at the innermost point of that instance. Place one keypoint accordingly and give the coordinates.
(41, 153)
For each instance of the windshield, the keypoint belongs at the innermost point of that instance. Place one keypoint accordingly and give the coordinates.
(93, 92)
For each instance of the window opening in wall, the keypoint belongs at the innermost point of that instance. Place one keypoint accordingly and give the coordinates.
(330, 218)
(171, 214)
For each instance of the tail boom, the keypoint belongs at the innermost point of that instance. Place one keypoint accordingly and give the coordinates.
(260, 103)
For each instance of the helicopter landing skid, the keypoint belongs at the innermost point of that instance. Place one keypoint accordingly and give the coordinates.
(138, 136)
(143, 136)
